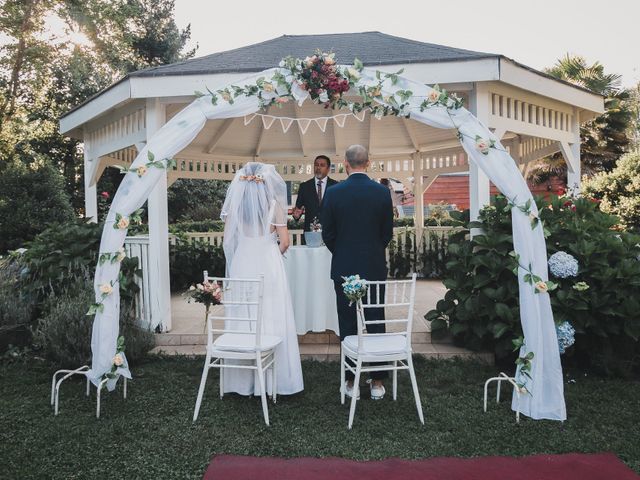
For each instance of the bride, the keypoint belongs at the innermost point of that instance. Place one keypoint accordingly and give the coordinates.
(255, 216)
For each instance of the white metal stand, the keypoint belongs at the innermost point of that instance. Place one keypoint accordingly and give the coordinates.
(501, 378)
(55, 386)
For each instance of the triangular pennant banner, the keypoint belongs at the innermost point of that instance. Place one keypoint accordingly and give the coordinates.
(285, 123)
(267, 121)
(248, 118)
(360, 115)
(340, 119)
(322, 122)
(304, 123)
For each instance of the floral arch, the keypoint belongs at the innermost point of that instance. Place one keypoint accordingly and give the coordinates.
(318, 78)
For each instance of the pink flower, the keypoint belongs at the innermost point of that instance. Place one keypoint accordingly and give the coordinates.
(105, 195)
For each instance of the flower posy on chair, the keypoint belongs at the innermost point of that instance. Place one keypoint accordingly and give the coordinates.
(354, 288)
(207, 293)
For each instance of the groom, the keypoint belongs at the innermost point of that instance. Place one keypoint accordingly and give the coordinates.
(357, 226)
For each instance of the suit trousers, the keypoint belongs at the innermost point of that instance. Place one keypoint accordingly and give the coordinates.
(347, 321)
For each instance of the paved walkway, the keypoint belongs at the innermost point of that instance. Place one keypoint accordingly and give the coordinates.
(188, 338)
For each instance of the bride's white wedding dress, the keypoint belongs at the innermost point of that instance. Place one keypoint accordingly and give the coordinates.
(255, 256)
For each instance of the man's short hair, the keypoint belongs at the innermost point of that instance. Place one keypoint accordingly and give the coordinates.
(357, 156)
(325, 158)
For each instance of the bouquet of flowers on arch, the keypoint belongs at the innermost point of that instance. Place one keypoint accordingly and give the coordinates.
(319, 75)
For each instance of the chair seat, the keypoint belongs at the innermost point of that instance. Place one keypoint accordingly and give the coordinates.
(377, 345)
(245, 342)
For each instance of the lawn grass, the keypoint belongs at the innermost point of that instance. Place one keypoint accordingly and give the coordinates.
(150, 435)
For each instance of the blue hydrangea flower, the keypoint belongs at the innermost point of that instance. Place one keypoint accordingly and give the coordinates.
(566, 336)
(563, 265)
(354, 288)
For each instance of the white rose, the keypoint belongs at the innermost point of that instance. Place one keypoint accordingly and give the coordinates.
(324, 97)
(106, 289)
(121, 254)
(267, 87)
(141, 170)
(353, 73)
(542, 286)
(123, 223)
(328, 60)
(434, 95)
(482, 145)
(192, 288)
(118, 361)
(200, 287)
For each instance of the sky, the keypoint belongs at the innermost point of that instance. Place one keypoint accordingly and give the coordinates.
(533, 32)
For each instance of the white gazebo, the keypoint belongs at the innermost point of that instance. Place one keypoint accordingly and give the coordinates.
(531, 113)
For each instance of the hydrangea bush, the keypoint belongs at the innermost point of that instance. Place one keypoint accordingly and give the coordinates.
(593, 263)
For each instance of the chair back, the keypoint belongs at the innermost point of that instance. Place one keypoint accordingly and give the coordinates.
(242, 302)
(397, 298)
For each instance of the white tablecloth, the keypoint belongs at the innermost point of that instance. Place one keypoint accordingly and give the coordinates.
(312, 291)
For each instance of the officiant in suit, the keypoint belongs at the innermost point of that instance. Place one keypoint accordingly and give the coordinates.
(357, 226)
(312, 192)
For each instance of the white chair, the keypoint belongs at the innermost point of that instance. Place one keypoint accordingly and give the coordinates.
(241, 338)
(392, 349)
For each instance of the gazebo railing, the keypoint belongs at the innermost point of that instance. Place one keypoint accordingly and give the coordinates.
(139, 247)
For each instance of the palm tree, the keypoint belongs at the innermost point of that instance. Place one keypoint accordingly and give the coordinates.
(604, 139)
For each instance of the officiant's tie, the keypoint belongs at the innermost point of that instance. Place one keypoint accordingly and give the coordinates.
(319, 191)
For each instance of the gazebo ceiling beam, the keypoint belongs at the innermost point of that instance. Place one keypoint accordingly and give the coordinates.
(219, 134)
(411, 134)
(258, 150)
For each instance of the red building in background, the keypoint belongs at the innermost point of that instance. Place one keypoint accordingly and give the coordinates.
(454, 189)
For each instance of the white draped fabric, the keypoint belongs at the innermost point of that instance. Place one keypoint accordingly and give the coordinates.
(546, 398)
(312, 290)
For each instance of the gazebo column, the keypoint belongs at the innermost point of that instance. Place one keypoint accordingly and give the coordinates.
(418, 198)
(478, 181)
(158, 232)
(571, 154)
(90, 187)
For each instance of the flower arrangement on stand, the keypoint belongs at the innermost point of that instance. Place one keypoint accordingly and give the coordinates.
(207, 293)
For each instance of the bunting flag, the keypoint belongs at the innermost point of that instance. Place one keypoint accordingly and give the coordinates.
(267, 121)
(303, 123)
(285, 123)
(322, 123)
(340, 119)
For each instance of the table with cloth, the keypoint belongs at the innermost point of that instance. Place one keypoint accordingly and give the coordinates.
(312, 292)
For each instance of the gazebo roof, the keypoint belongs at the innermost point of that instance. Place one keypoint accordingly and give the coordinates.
(372, 48)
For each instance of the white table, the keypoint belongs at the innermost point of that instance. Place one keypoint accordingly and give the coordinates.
(312, 292)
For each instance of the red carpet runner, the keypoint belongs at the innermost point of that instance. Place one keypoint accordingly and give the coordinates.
(600, 466)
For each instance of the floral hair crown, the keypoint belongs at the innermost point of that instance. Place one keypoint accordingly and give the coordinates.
(252, 178)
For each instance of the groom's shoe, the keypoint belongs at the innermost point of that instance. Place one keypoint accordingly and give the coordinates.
(377, 391)
(348, 390)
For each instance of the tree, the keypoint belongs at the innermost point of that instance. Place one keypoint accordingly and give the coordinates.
(44, 74)
(32, 197)
(603, 139)
(619, 190)
(196, 199)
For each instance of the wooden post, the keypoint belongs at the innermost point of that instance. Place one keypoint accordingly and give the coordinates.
(574, 171)
(90, 188)
(158, 232)
(479, 103)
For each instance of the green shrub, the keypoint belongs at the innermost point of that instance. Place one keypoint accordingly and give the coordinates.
(64, 331)
(188, 259)
(619, 190)
(481, 308)
(16, 307)
(31, 197)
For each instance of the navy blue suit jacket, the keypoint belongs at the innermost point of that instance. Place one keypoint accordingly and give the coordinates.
(357, 226)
